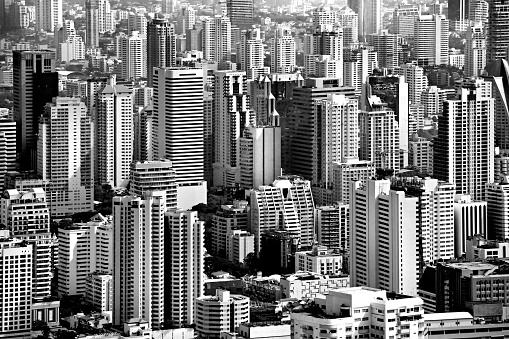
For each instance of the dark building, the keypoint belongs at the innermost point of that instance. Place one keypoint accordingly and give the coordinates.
(35, 84)
(458, 10)
(497, 37)
(161, 46)
(240, 12)
(278, 252)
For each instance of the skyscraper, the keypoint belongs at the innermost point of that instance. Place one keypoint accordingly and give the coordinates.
(282, 51)
(99, 20)
(137, 22)
(464, 148)
(184, 266)
(432, 40)
(387, 47)
(217, 39)
(232, 115)
(497, 197)
(48, 14)
(65, 156)
(349, 21)
(139, 276)
(383, 249)
(240, 13)
(35, 83)
(132, 50)
(458, 14)
(114, 123)
(358, 64)
(416, 80)
(497, 37)
(161, 48)
(403, 19)
(186, 19)
(370, 15)
(251, 54)
(475, 51)
(498, 75)
(7, 147)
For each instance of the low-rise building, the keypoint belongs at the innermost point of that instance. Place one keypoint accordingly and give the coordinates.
(239, 244)
(478, 248)
(319, 260)
(307, 285)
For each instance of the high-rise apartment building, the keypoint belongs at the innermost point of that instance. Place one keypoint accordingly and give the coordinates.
(183, 266)
(16, 264)
(48, 14)
(404, 18)
(379, 139)
(227, 219)
(432, 98)
(497, 197)
(420, 154)
(161, 46)
(464, 148)
(251, 54)
(282, 51)
(432, 40)
(132, 50)
(287, 205)
(326, 40)
(497, 37)
(383, 250)
(387, 47)
(475, 51)
(370, 15)
(240, 13)
(26, 215)
(416, 80)
(65, 156)
(186, 19)
(478, 11)
(83, 248)
(333, 226)
(137, 22)
(114, 121)
(217, 39)
(155, 176)
(349, 21)
(7, 147)
(232, 115)
(139, 259)
(35, 84)
(358, 64)
(99, 19)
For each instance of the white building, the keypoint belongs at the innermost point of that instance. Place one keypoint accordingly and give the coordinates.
(404, 18)
(431, 40)
(48, 14)
(239, 244)
(252, 55)
(349, 21)
(65, 156)
(319, 260)
(308, 285)
(99, 20)
(362, 312)
(132, 50)
(83, 248)
(383, 250)
(99, 292)
(470, 219)
(416, 80)
(475, 51)
(15, 318)
(282, 51)
(324, 46)
(217, 39)
(223, 312)
(350, 170)
(478, 248)
(357, 65)
(114, 125)
(139, 268)
(7, 147)
(137, 22)
(184, 266)
(497, 197)
(420, 154)
(73, 48)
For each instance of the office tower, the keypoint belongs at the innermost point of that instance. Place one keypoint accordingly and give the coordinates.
(161, 46)
(420, 154)
(184, 266)
(7, 147)
(404, 18)
(99, 20)
(65, 156)
(83, 248)
(377, 212)
(368, 308)
(232, 115)
(227, 219)
(458, 11)
(240, 13)
(478, 12)
(431, 40)
(349, 21)
(387, 47)
(475, 51)
(33, 227)
(464, 148)
(99, 291)
(178, 129)
(132, 50)
(416, 80)
(326, 41)
(372, 18)
(114, 125)
(251, 54)
(48, 14)
(379, 139)
(168, 6)
(16, 264)
(259, 156)
(498, 74)
(333, 226)
(288, 206)
(154, 176)
(470, 219)
(217, 39)
(497, 37)
(304, 133)
(138, 259)
(186, 19)
(358, 64)
(35, 83)
(282, 51)
(223, 312)
(497, 197)
(137, 22)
